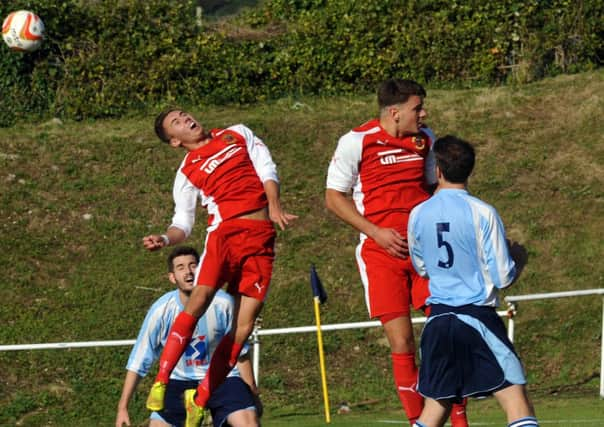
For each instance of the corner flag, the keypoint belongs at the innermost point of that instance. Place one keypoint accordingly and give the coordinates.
(316, 285)
(320, 296)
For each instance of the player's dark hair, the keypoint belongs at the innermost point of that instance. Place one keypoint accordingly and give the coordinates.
(160, 131)
(181, 251)
(455, 158)
(398, 91)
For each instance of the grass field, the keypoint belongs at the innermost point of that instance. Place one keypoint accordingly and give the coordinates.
(77, 197)
(561, 411)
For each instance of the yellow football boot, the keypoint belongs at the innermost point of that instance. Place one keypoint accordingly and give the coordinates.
(155, 400)
(195, 414)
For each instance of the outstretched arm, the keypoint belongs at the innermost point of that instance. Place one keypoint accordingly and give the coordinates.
(185, 201)
(173, 236)
(275, 211)
(267, 172)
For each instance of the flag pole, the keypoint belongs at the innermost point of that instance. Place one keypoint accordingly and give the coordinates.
(317, 302)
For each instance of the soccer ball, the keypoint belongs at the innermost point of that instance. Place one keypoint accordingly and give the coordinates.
(23, 31)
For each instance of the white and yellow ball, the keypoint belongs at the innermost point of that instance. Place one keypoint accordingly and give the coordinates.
(23, 31)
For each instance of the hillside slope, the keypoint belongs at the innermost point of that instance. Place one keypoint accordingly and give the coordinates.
(77, 197)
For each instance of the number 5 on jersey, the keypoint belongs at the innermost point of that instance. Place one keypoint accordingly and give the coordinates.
(443, 227)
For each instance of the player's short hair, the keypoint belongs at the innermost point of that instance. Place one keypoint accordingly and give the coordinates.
(181, 251)
(455, 158)
(160, 130)
(398, 91)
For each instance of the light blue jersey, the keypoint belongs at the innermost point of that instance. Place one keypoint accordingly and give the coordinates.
(458, 241)
(210, 329)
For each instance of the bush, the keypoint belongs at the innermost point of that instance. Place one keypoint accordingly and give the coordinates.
(108, 58)
(99, 58)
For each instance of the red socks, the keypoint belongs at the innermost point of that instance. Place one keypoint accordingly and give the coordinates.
(458, 414)
(178, 338)
(405, 379)
(223, 360)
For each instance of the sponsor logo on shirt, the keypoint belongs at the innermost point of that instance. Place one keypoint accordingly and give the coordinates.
(195, 352)
(397, 155)
(217, 159)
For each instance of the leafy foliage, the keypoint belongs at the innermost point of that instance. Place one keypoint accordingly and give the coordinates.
(104, 59)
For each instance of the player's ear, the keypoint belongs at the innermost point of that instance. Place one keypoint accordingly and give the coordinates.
(439, 173)
(172, 278)
(175, 142)
(393, 111)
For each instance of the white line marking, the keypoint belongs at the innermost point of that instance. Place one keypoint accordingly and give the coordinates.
(594, 421)
(148, 289)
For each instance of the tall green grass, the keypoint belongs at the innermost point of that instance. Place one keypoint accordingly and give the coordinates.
(77, 197)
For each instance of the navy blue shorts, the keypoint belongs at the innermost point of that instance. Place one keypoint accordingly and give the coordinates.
(232, 395)
(465, 352)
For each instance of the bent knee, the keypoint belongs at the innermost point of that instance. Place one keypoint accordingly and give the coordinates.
(243, 418)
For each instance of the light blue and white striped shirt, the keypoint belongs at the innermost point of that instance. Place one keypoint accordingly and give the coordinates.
(458, 241)
(210, 329)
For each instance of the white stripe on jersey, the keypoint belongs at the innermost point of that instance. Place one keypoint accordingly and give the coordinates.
(468, 260)
(208, 332)
(185, 197)
(478, 213)
(259, 154)
(343, 170)
(363, 272)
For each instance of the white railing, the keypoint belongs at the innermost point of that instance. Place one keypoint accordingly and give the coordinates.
(258, 331)
(55, 345)
(512, 299)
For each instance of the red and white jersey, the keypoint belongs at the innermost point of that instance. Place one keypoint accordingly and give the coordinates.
(226, 174)
(388, 175)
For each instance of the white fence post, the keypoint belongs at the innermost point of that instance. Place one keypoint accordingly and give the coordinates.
(256, 354)
(511, 314)
(198, 15)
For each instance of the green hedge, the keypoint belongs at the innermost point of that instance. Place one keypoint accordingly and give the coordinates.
(112, 57)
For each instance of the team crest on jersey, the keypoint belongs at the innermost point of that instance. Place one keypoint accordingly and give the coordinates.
(227, 138)
(419, 142)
